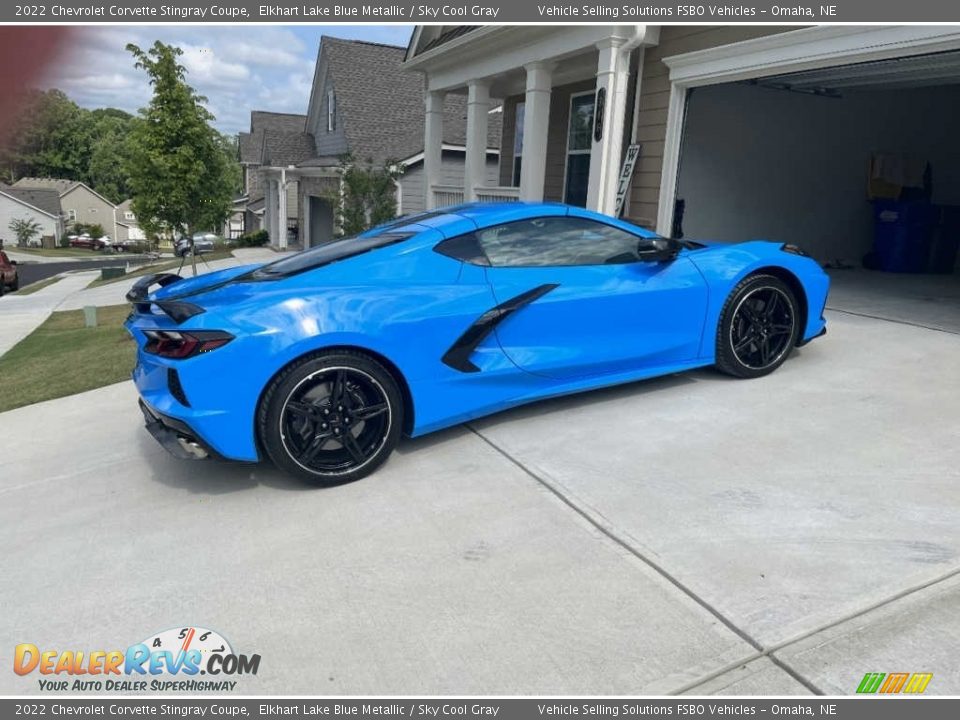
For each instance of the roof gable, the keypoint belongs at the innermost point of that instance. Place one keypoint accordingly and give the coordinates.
(46, 200)
(380, 105)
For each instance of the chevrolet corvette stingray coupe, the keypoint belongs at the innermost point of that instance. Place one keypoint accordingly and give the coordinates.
(322, 359)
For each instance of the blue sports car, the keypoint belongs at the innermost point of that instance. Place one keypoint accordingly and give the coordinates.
(322, 359)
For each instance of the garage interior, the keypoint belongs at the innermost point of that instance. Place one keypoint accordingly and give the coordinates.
(832, 159)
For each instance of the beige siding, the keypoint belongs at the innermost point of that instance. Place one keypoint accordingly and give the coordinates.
(89, 208)
(655, 97)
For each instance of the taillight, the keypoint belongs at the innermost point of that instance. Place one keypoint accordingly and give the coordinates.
(178, 345)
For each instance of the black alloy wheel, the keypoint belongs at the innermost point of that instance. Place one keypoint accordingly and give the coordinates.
(758, 327)
(332, 418)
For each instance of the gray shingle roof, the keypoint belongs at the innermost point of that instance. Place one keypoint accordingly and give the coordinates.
(276, 139)
(382, 107)
(286, 148)
(46, 199)
(58, 184)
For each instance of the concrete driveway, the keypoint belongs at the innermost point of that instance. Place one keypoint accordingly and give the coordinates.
(688, 534)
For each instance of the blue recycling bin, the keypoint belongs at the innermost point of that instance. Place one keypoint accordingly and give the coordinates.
(903, 231)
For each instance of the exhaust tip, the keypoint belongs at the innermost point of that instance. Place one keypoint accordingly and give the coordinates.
(192, 448)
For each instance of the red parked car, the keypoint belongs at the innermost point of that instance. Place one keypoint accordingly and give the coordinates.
(85, 241)
(9, 278)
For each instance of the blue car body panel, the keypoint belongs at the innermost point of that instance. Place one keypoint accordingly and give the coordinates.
(407, 305)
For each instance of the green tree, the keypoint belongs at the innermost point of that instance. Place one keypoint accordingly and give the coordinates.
(105, 171)
(178, 173)
(24, 230)
(51, 139)
(367, 196)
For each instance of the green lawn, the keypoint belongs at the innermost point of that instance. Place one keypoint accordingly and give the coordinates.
(62, 357)
(168, 265)
(39, 285)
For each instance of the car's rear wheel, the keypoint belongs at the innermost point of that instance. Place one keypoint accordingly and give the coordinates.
(16, 282)
(331, 418)
(758, 327)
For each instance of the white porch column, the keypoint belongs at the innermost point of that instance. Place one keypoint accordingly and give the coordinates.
(535, 123)
(282, 210)
(613, 72)
(432, 145)
(475, 165)
(269, 198)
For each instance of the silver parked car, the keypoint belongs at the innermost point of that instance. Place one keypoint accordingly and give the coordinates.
(198, 244)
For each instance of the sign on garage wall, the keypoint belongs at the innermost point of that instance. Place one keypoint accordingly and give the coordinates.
(626, 175)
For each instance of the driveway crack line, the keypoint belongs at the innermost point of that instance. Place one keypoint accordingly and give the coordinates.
(607, 530)
(890, 320)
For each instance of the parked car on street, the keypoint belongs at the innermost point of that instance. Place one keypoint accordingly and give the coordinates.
(85, 241)
(9, 277)
(199, 243)
(321, 360)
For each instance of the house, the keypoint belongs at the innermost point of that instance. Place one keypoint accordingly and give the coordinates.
(127, 226)
(743, 130)
(362, 103)
(42, 206)
(80, 203)
(275, 140)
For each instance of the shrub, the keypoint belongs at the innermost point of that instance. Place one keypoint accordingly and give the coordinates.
(256, 238)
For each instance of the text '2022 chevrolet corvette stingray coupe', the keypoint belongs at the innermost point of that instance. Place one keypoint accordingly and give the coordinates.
(322, 359)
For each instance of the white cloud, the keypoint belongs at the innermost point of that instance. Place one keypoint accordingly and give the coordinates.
(237, 68)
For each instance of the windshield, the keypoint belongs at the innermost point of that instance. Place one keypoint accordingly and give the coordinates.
(324, 255)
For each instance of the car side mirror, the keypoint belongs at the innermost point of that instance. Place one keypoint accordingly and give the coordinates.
(14, 262)
(657, 249)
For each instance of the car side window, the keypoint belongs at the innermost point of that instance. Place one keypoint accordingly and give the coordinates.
(557, 241)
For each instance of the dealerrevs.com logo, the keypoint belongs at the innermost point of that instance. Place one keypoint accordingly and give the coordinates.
(172, 660)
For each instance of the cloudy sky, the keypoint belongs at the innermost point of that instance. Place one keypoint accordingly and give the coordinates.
(239, 68)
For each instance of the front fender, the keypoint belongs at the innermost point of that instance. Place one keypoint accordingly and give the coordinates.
(724, 266)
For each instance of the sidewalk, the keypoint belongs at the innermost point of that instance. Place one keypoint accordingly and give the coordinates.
(22, 314)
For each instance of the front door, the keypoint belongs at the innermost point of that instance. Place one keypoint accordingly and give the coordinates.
(579, 141)
(589, 306)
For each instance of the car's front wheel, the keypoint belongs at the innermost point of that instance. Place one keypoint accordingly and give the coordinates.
(331, 418)
(758, 327)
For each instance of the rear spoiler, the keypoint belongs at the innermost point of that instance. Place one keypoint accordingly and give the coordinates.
(141, 288)
(178, 310)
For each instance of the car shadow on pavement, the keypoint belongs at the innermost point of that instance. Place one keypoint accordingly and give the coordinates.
(215, 477)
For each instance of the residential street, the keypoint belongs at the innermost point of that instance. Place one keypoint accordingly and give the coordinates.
(21, 314)
(693, 533)
(31, 272)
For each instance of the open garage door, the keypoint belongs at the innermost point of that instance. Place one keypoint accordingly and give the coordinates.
(824, 158)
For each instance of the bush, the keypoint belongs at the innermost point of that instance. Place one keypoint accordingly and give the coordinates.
(256, 238)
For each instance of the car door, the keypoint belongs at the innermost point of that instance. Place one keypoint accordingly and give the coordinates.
(582, 303)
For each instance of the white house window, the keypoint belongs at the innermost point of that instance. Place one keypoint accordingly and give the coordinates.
(579, 140)
(72, 214)
(518, 142)
(129, 215)
(331, 111)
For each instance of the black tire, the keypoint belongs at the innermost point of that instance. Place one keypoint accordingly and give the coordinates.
(758, 328)
(303, 423)
(16, 282)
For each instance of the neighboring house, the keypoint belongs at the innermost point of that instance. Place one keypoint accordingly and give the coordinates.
(275, 140)
(778, 124)
(41, 206)
(127, 226)
(361, 104)
(80, 204)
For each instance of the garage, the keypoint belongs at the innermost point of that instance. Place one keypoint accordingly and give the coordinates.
(857, 163)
